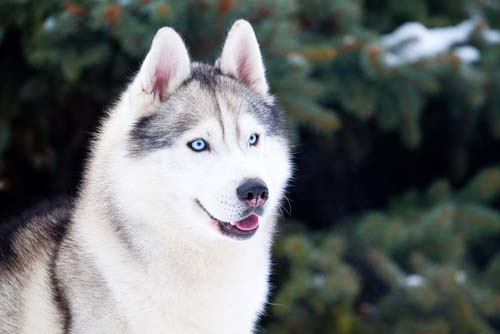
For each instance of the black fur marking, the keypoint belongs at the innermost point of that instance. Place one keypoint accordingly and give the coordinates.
(10, 230)
(206, 75)
(144, 135)
(272, 117)
(150, 133)
(57, 289)
(27, 239)
(118, 225)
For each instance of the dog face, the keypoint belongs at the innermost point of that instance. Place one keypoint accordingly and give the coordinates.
(205, 150)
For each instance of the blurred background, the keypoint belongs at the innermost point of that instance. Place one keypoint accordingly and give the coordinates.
(394, 114)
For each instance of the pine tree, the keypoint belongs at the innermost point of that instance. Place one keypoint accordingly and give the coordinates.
(420, 252)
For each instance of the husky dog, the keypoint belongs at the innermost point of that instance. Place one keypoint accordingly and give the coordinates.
(172, 228)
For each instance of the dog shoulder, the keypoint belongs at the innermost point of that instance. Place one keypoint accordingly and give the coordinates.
(33, 233)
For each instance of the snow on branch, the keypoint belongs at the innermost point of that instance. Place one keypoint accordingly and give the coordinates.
(412, 42)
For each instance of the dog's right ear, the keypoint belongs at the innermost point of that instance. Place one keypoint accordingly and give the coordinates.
(165, 67)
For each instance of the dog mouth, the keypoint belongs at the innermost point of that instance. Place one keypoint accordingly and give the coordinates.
(240, 229)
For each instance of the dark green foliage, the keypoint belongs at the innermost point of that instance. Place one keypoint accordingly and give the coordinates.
(419, 251)
(397, 217)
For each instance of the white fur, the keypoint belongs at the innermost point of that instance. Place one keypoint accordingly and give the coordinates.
(178, 273)
(39, 317)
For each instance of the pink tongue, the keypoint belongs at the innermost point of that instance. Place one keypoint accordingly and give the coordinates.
(248, 224)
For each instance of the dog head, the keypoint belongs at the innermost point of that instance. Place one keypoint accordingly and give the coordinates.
(204, 149)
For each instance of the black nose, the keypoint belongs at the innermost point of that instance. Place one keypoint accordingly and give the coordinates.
(253, 192)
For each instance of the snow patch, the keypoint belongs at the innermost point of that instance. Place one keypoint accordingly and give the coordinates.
(296, 59)
(467, 54)
(414, 280)
(49, 24)
(491, 36)
(413, 42)
(318, 280)
(460, 276)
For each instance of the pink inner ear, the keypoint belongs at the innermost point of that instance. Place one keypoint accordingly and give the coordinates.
(244, 72)
(243, 68)
(163, 72)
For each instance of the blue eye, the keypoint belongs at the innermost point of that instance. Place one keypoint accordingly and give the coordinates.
(253, 140)
(198, 145)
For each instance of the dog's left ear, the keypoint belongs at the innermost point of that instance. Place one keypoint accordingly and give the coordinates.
(241, 58)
